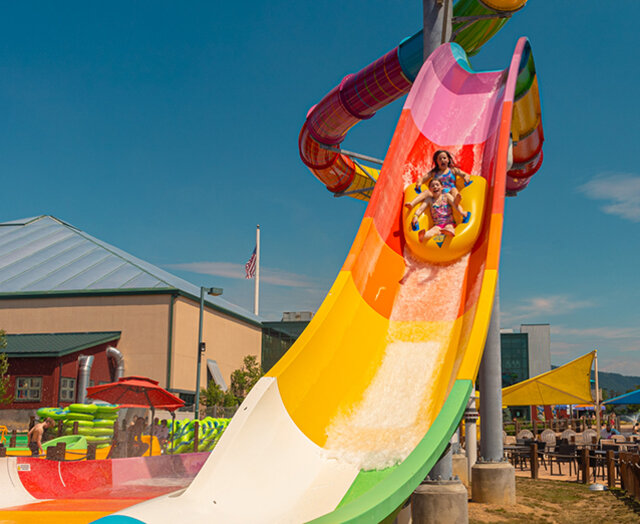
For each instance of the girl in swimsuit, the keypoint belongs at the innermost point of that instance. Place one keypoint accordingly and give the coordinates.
(440, 205)
(446, 172)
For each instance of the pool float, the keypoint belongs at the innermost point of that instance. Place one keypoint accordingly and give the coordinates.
(83, 408)
(209, 432)
(103, 423)
(54, 413)
(68, 424)
(442, 248)
(73, 415)
(107, 411)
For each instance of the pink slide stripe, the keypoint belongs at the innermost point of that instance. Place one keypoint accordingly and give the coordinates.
(457, 89)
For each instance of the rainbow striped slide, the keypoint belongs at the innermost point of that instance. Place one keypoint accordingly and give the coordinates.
(355, 415)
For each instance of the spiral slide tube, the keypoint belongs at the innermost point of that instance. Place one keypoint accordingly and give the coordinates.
(360, 95)
(354, 416)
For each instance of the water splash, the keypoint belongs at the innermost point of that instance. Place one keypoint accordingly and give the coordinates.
(393, 414)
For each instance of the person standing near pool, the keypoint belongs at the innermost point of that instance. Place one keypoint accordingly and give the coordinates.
(34, 437)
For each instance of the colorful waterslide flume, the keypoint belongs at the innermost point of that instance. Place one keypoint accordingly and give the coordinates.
(355, 415)
(360, 95)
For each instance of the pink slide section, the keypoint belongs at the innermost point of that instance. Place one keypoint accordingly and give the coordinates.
(35, 479)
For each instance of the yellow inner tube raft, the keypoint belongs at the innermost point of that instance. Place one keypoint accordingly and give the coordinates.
(442, 248)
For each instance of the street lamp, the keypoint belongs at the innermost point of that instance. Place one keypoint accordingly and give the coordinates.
(215, 292)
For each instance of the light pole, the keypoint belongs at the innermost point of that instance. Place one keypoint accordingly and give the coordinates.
(215, 292)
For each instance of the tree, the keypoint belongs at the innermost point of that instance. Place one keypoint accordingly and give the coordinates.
(212, 396)
(5, 393)
(243, 379)
(230, 399)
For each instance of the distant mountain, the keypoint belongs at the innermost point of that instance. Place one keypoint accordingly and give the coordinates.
(615, 384)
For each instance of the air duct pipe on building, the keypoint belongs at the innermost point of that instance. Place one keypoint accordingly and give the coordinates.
(84, 373)
(119, 358)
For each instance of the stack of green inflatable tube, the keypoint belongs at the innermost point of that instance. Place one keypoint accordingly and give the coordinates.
(54, 413)
(95, 423)
(209, 432)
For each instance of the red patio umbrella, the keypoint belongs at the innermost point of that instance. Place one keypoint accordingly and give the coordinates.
(137, 392)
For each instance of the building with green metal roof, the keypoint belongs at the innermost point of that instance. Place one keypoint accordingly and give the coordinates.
(44, 366)
(58, 279)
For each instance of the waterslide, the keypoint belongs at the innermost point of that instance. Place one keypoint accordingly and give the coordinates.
(355, 415)
(82, 491)
(360, 95)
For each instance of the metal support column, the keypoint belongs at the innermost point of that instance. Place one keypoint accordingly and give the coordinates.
(443, 469)
(490, 386)
(493, 479)
(470, 431)
(436, 19)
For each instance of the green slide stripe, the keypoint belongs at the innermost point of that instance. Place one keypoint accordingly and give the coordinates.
(376, 494)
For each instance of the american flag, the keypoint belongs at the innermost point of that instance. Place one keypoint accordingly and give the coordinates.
(250, 267)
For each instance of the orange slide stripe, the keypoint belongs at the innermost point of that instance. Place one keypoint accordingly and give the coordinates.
(377, 271)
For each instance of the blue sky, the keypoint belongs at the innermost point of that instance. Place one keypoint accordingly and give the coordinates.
(170, 130)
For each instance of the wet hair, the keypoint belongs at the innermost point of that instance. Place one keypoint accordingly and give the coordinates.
(437, 153)
(49, 421)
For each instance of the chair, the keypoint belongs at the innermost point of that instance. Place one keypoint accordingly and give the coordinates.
(542, 450)
(618, 438)
(563, 454)
(548, 436)
(525, 434)
(567, 434)
(597, 461)
(588, 435)
(509, 440)
(523, 455)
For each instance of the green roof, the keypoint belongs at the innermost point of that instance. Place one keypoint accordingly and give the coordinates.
(55, 344)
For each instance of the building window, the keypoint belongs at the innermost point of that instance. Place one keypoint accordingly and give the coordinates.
(28, 389)
(67, 389)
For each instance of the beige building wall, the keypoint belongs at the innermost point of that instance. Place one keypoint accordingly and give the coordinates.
(227, 339)
(143, 321)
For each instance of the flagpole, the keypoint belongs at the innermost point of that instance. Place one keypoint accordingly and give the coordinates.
(597, 395)
(257, 278)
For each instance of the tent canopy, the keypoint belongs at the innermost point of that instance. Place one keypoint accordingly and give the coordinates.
(632, 397)
(568, 384)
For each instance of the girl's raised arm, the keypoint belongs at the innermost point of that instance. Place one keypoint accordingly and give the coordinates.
(459, 172)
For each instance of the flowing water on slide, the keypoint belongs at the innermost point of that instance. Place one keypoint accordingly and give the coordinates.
(390, 419)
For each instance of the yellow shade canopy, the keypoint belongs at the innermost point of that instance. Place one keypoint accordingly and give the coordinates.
(568, 384)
